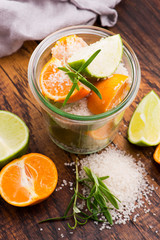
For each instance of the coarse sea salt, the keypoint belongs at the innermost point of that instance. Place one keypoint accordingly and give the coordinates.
(127, 181)
(78, 108)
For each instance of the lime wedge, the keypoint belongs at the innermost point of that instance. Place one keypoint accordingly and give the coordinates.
(105, 62)
(14, 137)
(144, 127)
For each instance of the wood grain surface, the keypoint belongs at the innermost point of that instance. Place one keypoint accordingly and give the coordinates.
(139, 24)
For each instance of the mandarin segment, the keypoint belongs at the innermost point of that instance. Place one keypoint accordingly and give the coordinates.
(112, 90)
(156, 154)
(10, 180)
(44, 178)
(55, 84)
(66, 46)
(28, 180)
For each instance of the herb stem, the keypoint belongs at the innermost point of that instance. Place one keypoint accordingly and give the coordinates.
(96, 202)
(76, 77)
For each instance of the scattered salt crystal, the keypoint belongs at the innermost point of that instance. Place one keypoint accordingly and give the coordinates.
(59, 229)
(95, 222)
(135, 217)
(58, 189)
(146, 210)
(108, 227)
(41, 229)
(81, 205)
(70, 184)
(62, 235)
(64, 182)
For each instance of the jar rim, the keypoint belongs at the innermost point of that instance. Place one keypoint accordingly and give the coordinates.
(81, 29)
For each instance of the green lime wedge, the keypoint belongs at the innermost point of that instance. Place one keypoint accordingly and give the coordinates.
(105, 62)
(144, 127)
(14, 137)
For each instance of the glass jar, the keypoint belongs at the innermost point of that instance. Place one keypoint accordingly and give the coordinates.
(74, 133)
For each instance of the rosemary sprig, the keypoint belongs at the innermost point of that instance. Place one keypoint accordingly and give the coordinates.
(76, 77)
(97, 201)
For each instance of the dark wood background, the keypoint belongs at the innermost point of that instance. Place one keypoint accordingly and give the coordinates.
(139, 25)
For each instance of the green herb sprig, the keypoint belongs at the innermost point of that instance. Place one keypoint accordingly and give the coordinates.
(97, 201)
(76, 77)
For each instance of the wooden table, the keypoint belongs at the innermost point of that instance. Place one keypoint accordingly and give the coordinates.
(138, 24)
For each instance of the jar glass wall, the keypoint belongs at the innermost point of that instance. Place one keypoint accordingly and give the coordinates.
(74, 133)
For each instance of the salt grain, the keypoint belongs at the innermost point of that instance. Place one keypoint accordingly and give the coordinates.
(146, 210)
(64, 182)
(135, 217)
(70, 184)
(62, 235)
(78, 108)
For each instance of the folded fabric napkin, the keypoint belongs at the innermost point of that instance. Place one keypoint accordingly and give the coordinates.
(22, 20)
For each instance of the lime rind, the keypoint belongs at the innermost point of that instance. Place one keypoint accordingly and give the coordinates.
(144, 127)
(14, 137)
(105, 63)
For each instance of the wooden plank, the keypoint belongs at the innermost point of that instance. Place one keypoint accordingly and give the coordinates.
(138, 24)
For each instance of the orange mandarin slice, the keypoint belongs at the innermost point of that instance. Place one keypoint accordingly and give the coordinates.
(111, 89)
(55, 84)
(28, 180)
(66, 46)
(156, 154)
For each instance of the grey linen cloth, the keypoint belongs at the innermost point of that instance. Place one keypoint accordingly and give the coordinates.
(22, 20)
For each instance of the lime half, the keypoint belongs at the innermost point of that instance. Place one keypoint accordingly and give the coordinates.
(105, 62)
(14, 137)
(144, 127)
